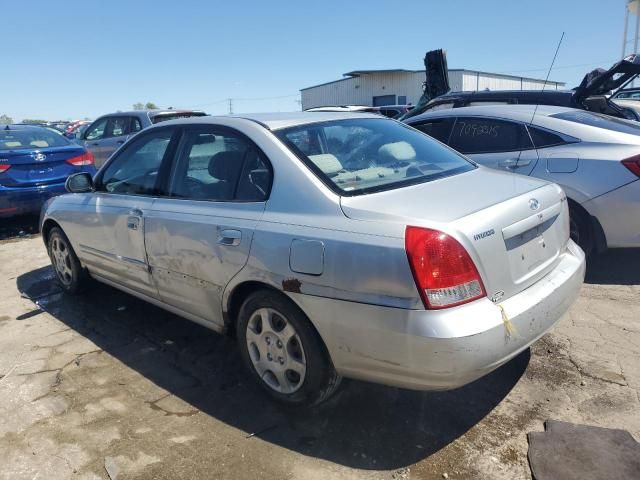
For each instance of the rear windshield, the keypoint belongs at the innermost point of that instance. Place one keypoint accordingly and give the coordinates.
(602, 121)
(364, 155)
(30, 138)
(163, 117)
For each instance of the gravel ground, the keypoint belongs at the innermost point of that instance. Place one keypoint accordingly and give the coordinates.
(106, 385)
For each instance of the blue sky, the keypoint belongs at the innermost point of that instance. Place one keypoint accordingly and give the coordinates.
(74, 58)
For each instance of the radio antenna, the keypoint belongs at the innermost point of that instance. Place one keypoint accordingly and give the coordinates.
(547, 79)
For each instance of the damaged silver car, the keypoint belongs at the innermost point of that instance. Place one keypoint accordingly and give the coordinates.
(331, 245)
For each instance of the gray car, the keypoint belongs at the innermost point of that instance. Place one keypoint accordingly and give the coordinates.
(106, 134)
(329, 244)
(594, 157)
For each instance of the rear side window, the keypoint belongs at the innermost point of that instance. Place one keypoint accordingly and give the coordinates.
(546, 138)
(487, 135)
(440, 128)
(219, 166)
(117, 126)
(602, 121)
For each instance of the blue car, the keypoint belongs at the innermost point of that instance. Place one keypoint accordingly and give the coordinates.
(34, 164)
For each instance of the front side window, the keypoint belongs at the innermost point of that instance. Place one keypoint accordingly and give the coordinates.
(97, 130)
(439, 128)
(135, 170)
(354, 156)
(219, 166)
(488, 135)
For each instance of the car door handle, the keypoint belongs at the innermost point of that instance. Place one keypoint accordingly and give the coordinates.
(229, 237)
(135, 212)
(95, 144)
(523, 162)
(511, 163)
(133, 223)
(120, 142)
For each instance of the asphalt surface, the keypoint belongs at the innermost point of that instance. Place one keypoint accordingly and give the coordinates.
(106, 386)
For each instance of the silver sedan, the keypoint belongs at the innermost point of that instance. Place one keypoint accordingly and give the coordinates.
(594, 157)
(329, 244)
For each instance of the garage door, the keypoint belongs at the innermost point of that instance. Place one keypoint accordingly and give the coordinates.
(384, 100)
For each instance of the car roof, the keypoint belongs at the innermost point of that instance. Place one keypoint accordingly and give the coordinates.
(505, 93)
(518, 112)
(275, 121)
(150, 112)
(21, 126)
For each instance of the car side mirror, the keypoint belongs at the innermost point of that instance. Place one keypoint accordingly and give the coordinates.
(79, 183)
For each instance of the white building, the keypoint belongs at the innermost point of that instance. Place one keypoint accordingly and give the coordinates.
(399, 87)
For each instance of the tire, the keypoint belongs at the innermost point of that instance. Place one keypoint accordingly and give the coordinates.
(71, 277)
(283, 352)
(581, 230)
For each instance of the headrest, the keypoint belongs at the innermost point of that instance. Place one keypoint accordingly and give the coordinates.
(398, 151)
(225, 165)
(326, 162)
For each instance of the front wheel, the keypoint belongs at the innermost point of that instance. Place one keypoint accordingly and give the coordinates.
(282, 350)
(70, 274)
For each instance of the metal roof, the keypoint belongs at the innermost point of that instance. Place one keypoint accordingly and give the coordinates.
(358, 73)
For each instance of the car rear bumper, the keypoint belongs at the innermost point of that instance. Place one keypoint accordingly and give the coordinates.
(21, 201)
(442, 349)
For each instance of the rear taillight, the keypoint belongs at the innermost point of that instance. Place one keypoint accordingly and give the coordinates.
(4, 168)
(633, 164)
(443, 270)
(84, 159)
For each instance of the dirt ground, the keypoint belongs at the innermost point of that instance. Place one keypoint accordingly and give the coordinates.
(106, 385)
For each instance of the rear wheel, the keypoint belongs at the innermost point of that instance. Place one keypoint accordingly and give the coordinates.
(581, 230)
(70, 274)
(282, 350)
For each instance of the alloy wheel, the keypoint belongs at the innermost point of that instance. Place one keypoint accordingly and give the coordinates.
(61, 258)
(276, 351)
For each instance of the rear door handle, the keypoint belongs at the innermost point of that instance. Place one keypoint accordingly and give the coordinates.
(120, 142)
(133, 220)
(229, 237)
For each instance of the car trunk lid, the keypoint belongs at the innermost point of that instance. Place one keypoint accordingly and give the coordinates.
(514, 227)
(28, 168)
(600, 81)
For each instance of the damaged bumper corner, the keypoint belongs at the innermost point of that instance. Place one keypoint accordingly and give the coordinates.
(443, 349)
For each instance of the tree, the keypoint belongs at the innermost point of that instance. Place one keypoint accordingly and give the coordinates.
(33, 121)
(6, 119)
(138, 106)
(150, 106)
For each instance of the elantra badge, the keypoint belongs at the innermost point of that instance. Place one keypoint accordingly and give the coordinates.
(534, 204)
(39, 157)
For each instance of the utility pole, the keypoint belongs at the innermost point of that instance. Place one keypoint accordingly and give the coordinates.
(230, 106)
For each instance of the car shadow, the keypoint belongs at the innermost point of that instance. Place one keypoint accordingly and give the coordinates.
(618, 266)
(363, 426)
(20, 226)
